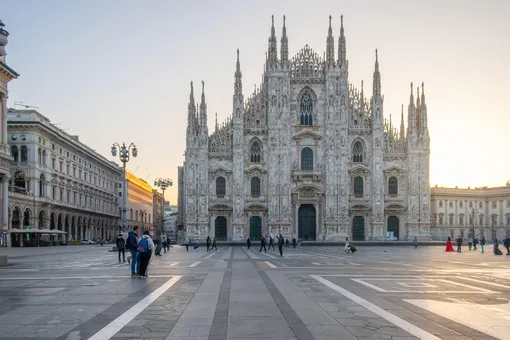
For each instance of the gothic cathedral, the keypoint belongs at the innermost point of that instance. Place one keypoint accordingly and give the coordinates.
(307, 155)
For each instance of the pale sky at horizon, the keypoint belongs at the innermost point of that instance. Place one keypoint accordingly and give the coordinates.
(114, 71)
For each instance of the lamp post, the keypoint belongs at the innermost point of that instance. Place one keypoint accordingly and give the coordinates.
(163, 184)
(472, 215)
(124, 157)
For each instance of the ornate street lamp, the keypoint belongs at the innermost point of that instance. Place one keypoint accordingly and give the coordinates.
(163, 184)
(124, 157)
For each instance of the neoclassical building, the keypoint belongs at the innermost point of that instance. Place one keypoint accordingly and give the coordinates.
(477, 211)
(57, 182)
(308, 155)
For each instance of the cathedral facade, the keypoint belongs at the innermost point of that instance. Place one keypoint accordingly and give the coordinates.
(307, 155)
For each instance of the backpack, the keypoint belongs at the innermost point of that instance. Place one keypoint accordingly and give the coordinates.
(143, 245)
(121, 243)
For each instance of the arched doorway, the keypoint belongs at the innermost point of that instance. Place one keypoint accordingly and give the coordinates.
(15, 224)
(220, 228)
(358, 228)
(393, 226)
(307, 222)
(255, 228)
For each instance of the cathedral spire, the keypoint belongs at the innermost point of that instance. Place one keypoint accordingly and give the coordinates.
(238, 85)
(402, 128)
(203, 111)
(411, 118)
(284, 49)
(216, 122)
(377, 78)
(418, 108)
(191, 112)
(238, 99)
(273, 53)
(330, 47)
(342, 49)
(424, 118)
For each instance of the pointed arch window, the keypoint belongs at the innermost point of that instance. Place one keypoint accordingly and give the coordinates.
(255, 152)
(220, 186)
(307, 159)
(306, 109)
(255, 187)
(393, 186)
(14, 152)
(358, 187)
(357, 152)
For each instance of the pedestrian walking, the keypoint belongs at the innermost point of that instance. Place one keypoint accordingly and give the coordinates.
(271, 243)
(248, 242)
(293, 242)
(470, 242)
(497, 251)
(506, 243)
(197, 244)
(280, 244)
(449, 247)
(165, 240)
(132, 245)
(263, 244)
(415, 242)
(482, 244)
(157, 252)
(459, 244)
(145, 249)
(208, 243)
(214, 244)
(475, 243)
(287, 242)
(121, 243)
(187, 242)
(347, 247)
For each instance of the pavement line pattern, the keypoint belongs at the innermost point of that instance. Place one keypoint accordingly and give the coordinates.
(270, 264)
(408, 327)
(209, 256)
(194, 264)
(271, 256)
(250, 253)
(174, 264)
(116, 325)
(485, 282)
(316, 263)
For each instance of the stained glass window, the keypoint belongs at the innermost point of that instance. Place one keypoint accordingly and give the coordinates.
(306, 109)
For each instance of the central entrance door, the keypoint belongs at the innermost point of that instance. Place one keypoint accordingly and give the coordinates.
(220, 228)
(255, 228)
(393, 226)
(358, 228)
(307, 222)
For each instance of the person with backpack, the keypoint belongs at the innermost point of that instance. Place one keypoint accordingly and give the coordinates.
(187, 242)
(121, 247)
(132, 245)
(145, 250)
(208, 243)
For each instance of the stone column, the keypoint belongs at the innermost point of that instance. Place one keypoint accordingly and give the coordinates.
(5, 206)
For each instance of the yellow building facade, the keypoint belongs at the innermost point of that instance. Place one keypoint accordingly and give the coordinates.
(139, 202)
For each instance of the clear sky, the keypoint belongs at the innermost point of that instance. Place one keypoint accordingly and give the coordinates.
(119, 70)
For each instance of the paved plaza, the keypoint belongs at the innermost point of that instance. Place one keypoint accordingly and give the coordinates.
(396, 293)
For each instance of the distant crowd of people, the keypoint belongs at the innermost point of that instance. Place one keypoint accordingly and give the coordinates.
(474, 242)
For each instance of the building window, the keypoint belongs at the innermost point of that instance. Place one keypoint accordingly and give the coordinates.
(357, 152)
(53, 147)
(440, 203)
(67, 169)
(53, 163)
(470, 220)
(306, 109)
(450, 220)
(131, 214)
(471, 204)
(60, 150)
(508, 220)
(220, 186)
(68, 196)
(255, 151)
(255, 187)
(74, 197)
(358, 187)
(494, 203)
(393, 186)
(480, 205)
(39, 156)
(440, 220)
(450, 204)
(41, 185)
(461, 220)
(24, 153)
(74, 172)
(480, 220)
(306, 159)
(61, 167)
(54, 193)
(461, 204)
(14, 152)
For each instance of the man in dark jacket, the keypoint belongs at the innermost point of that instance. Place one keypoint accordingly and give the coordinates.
(121, 247)
(131, 245)
(263, 244)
